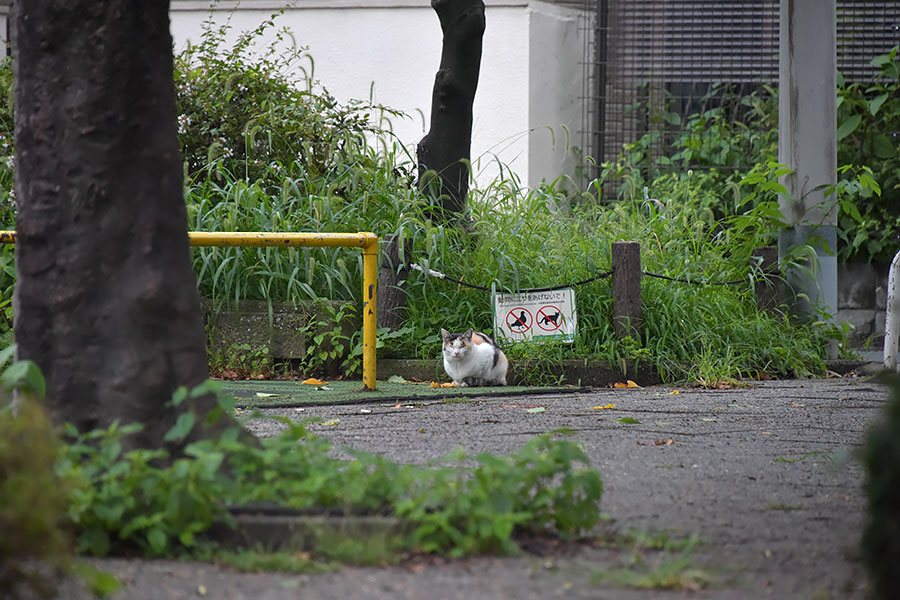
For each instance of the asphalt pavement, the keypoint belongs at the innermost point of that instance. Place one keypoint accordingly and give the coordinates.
(763, 475)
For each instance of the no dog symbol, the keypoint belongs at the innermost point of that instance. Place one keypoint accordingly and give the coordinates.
(549, 318)
(518, 319)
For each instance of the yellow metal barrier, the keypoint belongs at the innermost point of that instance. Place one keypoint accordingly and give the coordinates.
(367, 241)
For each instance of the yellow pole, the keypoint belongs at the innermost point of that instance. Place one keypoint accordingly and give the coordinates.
(367, 241)
(370, 283)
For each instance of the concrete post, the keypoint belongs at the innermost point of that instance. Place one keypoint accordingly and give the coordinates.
(807, 143)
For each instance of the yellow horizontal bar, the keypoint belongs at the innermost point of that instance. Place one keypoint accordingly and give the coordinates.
(214, 238)
(367, 241)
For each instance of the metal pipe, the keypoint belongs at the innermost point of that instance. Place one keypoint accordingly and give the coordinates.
(256, 239)
(367, 241)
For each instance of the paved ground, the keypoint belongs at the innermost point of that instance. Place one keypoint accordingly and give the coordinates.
(762, 475)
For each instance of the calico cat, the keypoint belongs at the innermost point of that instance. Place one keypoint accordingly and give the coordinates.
(473, 359)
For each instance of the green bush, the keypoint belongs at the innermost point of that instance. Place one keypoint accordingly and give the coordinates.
(869, 134)
(127, 501)
(881, 537)
(34, 546)
(242, 110)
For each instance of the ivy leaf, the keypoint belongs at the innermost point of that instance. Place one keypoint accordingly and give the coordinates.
(848, 126)
(876, 103)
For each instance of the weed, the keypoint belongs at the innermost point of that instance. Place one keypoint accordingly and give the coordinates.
(126, 500)
(663, 571)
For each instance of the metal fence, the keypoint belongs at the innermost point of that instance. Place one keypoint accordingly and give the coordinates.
(649, 64)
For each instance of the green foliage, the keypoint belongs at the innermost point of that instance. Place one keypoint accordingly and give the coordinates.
(243, 110)
(131, 501)
(329, 340)
(241, 361)
(869, 134)
(32, 497)
(880, 457)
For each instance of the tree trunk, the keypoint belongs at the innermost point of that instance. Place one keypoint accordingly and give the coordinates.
(106, 298)
(446, 148)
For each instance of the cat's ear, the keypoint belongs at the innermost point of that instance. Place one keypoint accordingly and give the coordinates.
(444, 334)
(469, 333)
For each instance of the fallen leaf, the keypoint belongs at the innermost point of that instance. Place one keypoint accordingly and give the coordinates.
(603, 407)
(313, 381)
(708, 419)
(365, 411)
(201, 590)
(299, 409)
(796, 404)
(628, 384)
(449, 384)
(537, 409)
(663, 442)
(265, 395)
(330, 422)
(323, 388)
(629, 421)
(421, 431)
(396, 379)
(641, 444)
(766, 432)
(674, 393)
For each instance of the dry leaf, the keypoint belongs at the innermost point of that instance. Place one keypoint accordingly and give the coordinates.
(663, 442)
(674, 393)
(796, 404)
(628, 384)
(314, 381)
(450, 384)
(603, 407)
(537, 409)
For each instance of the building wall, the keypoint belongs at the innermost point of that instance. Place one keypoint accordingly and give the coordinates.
(390, 49)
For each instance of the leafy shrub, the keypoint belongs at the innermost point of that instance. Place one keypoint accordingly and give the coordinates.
(881, 537)
(869, 134)
(34, 547)
(127, 501)
(242, 110)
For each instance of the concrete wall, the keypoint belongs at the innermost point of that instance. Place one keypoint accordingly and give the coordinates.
(531, 72)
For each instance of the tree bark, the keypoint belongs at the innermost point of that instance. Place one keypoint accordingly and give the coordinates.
(106, 298)
(446, 148)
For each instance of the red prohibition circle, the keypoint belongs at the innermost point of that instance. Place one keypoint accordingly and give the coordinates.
(552, 320)
(519, 323)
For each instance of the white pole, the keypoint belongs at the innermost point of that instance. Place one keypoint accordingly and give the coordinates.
(892, 317)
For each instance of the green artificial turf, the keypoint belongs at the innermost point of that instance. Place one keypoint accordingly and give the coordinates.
(275, 394)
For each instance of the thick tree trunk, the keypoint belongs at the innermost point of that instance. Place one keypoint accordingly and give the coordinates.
(448, 142)
(106, 298)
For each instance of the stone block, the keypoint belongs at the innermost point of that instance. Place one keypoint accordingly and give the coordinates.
(863, 321)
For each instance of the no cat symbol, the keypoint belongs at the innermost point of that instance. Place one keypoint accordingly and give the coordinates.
(549, 318)
(518, 319)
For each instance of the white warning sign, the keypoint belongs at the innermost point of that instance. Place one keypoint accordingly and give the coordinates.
(535, 316)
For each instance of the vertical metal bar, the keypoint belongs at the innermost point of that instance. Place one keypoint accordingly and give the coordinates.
(601, 60)
(370, 301)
